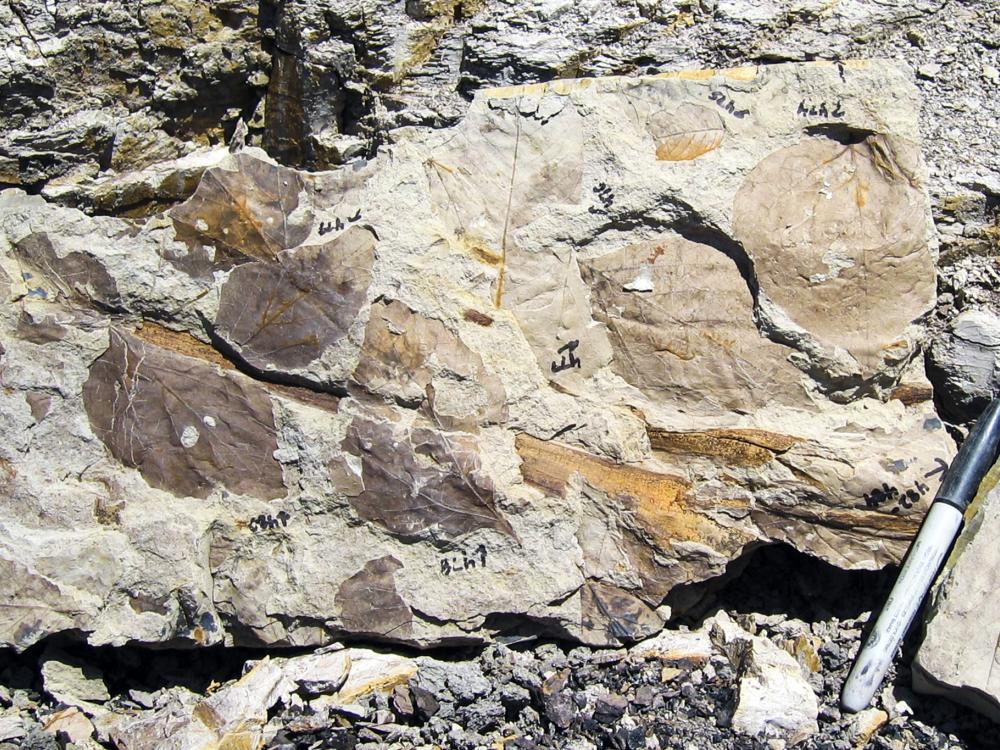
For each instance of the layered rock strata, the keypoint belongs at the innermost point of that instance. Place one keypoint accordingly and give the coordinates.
(595, 341)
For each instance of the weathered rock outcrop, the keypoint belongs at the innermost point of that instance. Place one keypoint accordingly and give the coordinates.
(961, 647)
(593, 342)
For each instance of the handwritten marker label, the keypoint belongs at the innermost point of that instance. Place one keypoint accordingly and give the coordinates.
(325, 227)
(726, 103)
(266, 521)
(569, 359)
(464, 560)
(821, 109)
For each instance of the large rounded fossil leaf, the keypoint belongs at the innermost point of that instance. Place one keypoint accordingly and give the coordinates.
(680, 317)
(837, 232)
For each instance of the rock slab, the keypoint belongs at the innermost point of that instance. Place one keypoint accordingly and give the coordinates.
(540, 367)
(960, 654)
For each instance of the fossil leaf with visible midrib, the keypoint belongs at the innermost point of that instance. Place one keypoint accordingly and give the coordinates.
(184, 426)
(76, 274)
(284, 314)
(252, 209)
(489, 181)
(686, 132)
(421, 483)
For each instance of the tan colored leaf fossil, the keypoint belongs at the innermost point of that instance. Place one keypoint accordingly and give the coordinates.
(419, 362)
(685, 132)
(837, 233)
(680, 318)
(490, 180)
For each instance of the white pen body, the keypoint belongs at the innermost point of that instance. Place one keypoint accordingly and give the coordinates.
(922, 563)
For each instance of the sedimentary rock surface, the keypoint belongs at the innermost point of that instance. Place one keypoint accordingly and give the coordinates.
(959, 654)
(594, 341)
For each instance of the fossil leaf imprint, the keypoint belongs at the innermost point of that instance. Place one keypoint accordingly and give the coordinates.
(284, 314)
(253, 210)
(75, 274)
(489, 180)
(685, 133)
(183, 425)
(837, 235)
(422, 484)
(405, 354)
(681, 327)
(612, 615)
(370, 604)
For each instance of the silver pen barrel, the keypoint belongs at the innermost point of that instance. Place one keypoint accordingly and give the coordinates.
(924, 558)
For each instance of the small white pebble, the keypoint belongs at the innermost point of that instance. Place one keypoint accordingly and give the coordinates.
(929, 71)
(189, 436)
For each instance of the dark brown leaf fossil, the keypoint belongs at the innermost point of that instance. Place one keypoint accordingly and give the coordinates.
(184, 425)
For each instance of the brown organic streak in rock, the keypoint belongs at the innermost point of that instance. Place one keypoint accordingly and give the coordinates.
(912, 393)
(7, 473)
(78, 275)
(402, 353)
(661, 503)
(739, 447)
(370, 604)
(140, 398)
(286, 314)
(885, 525)
(480, 319)
(246, 209)
(181, 343)
(423, 483)
(189, 346)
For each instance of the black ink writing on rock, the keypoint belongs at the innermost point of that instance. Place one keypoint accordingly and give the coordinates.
(727, 103)
(266, 521)
(902, 499)
(821, 109)
(464, 560)
(569, 360)
(325, 227)
(605, 195)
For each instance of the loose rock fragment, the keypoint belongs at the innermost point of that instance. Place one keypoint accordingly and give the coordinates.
(774, 701)
(959, 656)
(72, 682)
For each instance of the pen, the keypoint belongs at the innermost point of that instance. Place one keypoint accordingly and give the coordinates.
(924, 558)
